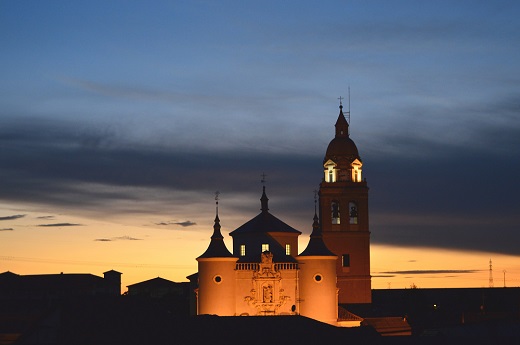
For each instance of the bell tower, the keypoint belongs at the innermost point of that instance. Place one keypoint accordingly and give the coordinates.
(344, 215)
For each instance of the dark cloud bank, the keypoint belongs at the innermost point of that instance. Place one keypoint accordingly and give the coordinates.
(13, 217)
(453, 196)
(184, 224)
(58, 225)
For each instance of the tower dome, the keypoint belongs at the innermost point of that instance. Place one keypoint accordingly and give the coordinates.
(342, 147)
(342, 162)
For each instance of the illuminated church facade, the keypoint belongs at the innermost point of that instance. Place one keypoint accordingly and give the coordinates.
(265, 275)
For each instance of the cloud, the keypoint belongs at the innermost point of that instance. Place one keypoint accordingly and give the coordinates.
(7, 229)
(60, 225)
(431, 271)
(422, 188)
(45, 217)
(186, 223)
(120, 238)
(127, 238)
(183, 224)
(13, 217)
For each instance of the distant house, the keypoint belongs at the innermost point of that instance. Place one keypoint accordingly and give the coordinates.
(158, 288)
(58, 286)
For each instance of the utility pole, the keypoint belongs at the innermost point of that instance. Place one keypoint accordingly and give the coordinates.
(490, 274)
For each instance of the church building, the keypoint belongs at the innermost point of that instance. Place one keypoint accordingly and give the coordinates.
(265, 275)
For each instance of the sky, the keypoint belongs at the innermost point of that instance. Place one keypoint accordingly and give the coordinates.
(120, 119)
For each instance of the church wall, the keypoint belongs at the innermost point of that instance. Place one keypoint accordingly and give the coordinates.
(318, 291)
(354, 281)
(216, 293)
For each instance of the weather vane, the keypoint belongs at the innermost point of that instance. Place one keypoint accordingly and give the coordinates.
(217, 193)
(263, 180)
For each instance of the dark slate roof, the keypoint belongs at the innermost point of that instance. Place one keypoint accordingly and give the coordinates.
(217, 248)
(262, 223)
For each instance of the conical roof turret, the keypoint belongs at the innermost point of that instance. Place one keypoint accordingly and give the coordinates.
(316, 246)
(217, 248)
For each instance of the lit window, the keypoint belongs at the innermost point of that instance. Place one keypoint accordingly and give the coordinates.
(265, 247)
(242, 250)
(356, 170)
(287, 249)
(330, 171)
(335, 212)
(345, 260)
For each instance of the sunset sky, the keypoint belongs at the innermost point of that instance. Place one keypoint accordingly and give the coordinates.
(120, 119)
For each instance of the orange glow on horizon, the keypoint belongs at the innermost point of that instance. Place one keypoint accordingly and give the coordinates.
(145, 251)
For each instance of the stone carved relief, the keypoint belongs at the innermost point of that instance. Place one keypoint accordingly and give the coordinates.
(267, 294)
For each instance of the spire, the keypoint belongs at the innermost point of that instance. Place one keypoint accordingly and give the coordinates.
(264, 199)
(316, 246)
(216, 226)
(342, 126)
(217, 247)
(316, 229)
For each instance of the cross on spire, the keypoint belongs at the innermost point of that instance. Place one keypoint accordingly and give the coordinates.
(263, 180)
(340, 101)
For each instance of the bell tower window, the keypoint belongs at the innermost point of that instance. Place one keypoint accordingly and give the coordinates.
(345, 260)
(335, 212)
(353, 212)
(242, 250)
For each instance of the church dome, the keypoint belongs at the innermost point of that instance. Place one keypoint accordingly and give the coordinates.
(341, 147)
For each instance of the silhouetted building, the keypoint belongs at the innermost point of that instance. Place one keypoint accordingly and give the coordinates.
(158, 288)
(58, 286)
